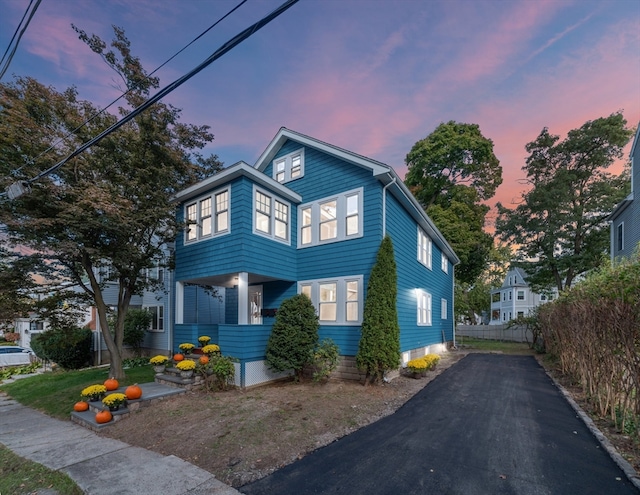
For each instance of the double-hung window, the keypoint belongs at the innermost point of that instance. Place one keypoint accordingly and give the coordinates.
(424, 248)
(333, 219)
(338, 301)
(157, 318)
(444, 263)
(443, 309)
(424, 307)
(520, 295)
(289, 167)
(271, 216)
(208, 216)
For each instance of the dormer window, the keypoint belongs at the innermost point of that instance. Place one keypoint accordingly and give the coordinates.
(289, 167)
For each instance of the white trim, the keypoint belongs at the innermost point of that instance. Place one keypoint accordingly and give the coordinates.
(340, 300)
(272, 216)
(288, 166)
(211, 196)
(443, 309)
(340, 218)
(424, 248)
(424, 308)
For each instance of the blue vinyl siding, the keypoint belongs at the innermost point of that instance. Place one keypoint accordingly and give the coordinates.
(413, 275)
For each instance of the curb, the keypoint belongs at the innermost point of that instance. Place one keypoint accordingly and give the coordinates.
(622, 463)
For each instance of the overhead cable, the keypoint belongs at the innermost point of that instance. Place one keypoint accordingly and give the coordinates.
(70, 133)
(15, 46)
(232, 43)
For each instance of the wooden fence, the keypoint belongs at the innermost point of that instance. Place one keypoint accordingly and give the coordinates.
(492, 332)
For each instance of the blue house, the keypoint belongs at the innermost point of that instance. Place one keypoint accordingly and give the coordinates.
(308, 218)
(625, 219)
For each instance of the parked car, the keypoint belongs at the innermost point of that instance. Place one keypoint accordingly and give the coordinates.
(13, 355)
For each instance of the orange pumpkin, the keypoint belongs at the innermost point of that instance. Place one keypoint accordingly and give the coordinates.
(111, 384)
(80, 406)
(133, 392)
(204, 359)
(103, 416)
(178, 357)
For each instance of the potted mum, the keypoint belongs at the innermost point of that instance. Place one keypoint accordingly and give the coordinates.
(94, 393)
(186, 347)
(203, 340)
(114, 401)
(186, 368)
(418, 367)
(159, 363)
(211, 349)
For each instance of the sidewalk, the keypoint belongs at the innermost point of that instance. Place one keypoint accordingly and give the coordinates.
(99, 465)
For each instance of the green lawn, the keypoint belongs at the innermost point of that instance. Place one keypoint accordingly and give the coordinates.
(18, 475)
(56, 392)
(493, 345)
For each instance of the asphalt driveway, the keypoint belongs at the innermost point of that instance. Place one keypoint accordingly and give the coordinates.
(491, 424)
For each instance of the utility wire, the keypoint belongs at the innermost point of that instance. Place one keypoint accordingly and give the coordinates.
(15, 33)
(70, 133)
(239, 38)
(15, 47)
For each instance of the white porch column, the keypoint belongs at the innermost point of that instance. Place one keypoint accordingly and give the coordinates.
(243, 298)
(179, 308)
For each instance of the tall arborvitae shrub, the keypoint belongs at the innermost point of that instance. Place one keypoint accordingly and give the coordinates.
(379, 348)
(294, 336)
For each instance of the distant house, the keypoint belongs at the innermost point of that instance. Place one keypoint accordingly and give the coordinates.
(515, 298)
(157, 339)
(625, 218)
(308, 218)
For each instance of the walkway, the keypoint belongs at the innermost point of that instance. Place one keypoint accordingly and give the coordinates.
(491, 424)
(100, 466)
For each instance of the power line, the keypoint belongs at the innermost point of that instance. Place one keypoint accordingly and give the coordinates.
(232, 43)
(70, 133)
(15, 47)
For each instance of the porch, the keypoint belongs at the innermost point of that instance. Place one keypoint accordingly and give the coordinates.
(247, 343)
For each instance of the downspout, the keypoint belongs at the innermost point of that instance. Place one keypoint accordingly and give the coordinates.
(384, 207)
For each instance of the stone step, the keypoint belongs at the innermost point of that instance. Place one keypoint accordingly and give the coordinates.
(152, 393)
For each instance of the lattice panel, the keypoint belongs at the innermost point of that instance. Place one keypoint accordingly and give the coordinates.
(256, 372)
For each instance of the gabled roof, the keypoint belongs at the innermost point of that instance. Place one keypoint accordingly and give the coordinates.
(384, 173)
(238, 169)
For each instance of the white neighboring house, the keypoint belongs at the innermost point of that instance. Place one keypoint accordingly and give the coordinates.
(515, 298)
(27, 328)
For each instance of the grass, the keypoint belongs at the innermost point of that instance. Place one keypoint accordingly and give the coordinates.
(494, 345)
(18, 475)
(55, 393)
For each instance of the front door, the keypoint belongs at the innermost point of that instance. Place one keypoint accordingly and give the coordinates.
(255, 304)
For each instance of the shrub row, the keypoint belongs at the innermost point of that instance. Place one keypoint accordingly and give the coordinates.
(594, 332)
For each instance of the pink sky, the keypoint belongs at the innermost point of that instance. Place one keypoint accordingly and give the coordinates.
(371, 76)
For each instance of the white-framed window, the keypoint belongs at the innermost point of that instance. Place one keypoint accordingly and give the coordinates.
(271, 217)
(289, 167)
(444, 263)
(424, 248)
(504, 296)
(207, 216)
(543, 297)
(510, 295)
(620, 237)
(157, 318)
(520, 314)
(520, 295)
(443, 309)
(504, 316)
(424, 307)
(338, 301)
(155, 273)
(333, 219)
